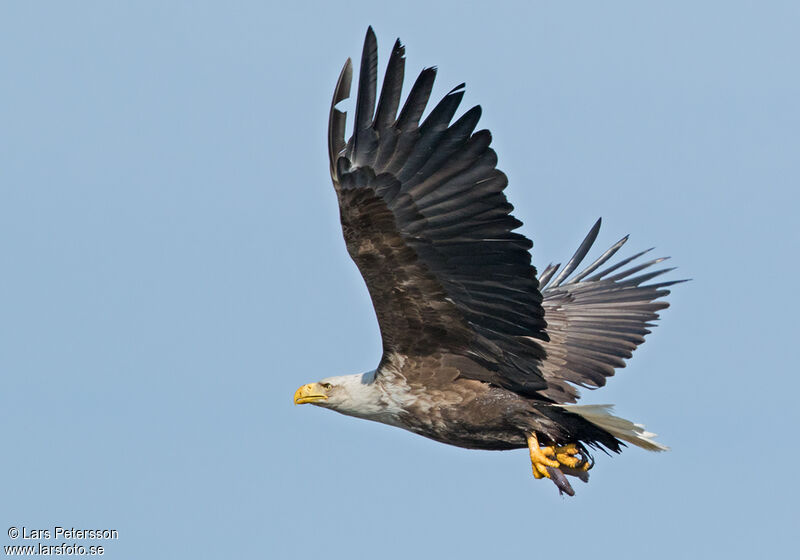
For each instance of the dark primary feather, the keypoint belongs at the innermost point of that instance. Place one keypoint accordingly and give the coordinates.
(337, 119)
(426, 221)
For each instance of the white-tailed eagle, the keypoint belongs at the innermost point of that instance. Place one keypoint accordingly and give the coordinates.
(478, 350)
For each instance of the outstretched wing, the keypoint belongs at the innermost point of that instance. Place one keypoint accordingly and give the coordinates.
(596, 322)
(426, 222)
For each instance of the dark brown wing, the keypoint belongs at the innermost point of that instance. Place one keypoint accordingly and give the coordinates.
(596, 322)
(426, 221)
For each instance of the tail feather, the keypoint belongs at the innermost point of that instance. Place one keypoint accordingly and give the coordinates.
(600, 415)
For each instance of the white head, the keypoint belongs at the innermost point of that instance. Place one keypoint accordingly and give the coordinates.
(355, 395)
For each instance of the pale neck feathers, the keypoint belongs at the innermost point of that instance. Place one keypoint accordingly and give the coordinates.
(362, 396)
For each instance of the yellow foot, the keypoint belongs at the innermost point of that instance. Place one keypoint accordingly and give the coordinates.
(555, 457)
(566, 455)
(539, 459)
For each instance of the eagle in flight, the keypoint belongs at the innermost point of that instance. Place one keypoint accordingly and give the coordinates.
(478, 350)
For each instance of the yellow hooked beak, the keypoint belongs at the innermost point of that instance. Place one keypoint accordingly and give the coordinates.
(310, 393)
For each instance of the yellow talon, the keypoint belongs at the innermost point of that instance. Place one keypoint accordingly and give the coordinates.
(569, 449)
(565, 456)
(539, 460)
(555, 457)
(567, 461)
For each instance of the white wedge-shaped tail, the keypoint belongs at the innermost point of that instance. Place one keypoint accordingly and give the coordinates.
(600, 415)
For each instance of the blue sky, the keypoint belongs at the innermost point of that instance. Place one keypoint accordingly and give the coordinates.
(173, 270)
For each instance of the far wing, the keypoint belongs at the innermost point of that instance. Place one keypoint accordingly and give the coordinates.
(596, 321)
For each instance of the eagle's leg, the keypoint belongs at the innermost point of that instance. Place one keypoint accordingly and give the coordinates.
(555, 457)
(539, 459)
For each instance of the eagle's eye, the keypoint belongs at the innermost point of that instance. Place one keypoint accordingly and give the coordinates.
(327, 386)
